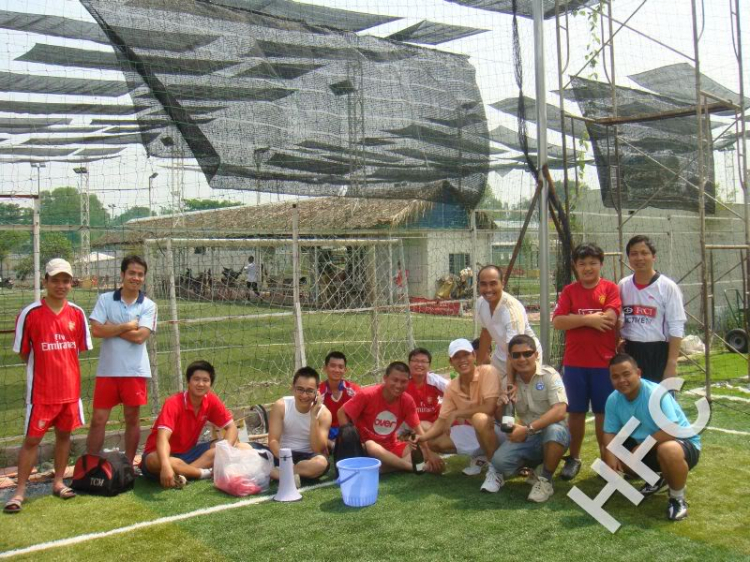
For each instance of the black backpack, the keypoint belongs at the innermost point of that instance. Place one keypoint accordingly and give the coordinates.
(348, 445)
(107, 474)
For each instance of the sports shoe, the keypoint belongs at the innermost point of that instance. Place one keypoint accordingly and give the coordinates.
(493, 481)
(542, 490)
(476, 464)
(677, 509)
(651, 489)
(571, 469)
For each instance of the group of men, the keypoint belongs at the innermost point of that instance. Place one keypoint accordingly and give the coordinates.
(409, 419)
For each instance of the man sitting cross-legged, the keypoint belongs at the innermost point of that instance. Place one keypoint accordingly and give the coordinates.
(172, 453)
(471, 398)
(542, 436)
(301, 423)
(672, 457)
(378, 411)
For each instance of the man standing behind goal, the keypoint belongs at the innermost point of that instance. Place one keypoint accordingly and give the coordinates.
(124, 319)
(653, 314)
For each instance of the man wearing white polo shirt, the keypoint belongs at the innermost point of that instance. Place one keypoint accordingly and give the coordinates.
(124, 319)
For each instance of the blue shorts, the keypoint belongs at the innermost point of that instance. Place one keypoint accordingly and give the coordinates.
(189, 457)
(510, 456)
(585, 385)
(333, 433)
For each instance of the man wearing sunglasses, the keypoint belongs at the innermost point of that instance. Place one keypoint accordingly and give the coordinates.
(301, 422)
(541, 437)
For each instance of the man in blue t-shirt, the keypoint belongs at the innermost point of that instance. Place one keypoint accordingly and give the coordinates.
(672, 457)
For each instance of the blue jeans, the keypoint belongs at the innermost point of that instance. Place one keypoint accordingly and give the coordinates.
(511, 456)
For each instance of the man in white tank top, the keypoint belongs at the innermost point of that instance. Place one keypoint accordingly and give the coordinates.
(301, 422)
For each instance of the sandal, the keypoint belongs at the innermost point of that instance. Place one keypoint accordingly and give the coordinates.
(14, 505)
(64, 493)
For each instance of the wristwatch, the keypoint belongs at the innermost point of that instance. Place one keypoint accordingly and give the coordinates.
(531, 430)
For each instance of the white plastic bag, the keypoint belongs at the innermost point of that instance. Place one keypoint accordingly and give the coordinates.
(692, 345)
(241, 472)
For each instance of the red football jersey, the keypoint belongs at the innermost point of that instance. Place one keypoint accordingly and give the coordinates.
(348, 390)
(587, 347)
(178, 415)
(427, 398)
(52, 342)
(376, 419)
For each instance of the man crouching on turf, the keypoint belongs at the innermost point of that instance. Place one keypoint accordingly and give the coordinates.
(378, 411)
(542, 437)
(301, 423)
(172, 453)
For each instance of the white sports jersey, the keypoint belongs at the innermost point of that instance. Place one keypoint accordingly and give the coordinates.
(508, 320)
(654, 313)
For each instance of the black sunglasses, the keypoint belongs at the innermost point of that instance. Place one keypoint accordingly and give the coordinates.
(519, 354)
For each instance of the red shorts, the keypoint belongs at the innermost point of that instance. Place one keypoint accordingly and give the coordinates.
(65, 417)
(111, 391)
(395, 447)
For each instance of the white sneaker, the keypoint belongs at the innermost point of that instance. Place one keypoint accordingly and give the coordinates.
(493, 481)
(476, 464)
(542, 490)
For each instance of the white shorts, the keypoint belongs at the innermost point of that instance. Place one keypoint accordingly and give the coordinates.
(465, 440)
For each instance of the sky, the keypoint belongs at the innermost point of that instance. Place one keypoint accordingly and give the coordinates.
(123, 182)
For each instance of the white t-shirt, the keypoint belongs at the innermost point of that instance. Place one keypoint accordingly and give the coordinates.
(654, 313)
(508, 320)
(252, 272)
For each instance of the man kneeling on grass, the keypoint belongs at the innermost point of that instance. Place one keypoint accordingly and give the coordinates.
(542, 436)
(670, 456)
(301, 423)
(172, 454)
(378, 411)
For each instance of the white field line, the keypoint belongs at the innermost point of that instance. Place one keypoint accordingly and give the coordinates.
(145, 524)
(719, 429)
(702, 392)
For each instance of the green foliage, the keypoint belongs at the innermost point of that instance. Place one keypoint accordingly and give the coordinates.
(132, 213)
(10, 213)
(205, 204)
(51, 245)
(63, 206)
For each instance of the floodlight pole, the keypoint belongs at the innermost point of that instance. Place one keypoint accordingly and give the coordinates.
(541, 135)
(37, 230)
(151, 179)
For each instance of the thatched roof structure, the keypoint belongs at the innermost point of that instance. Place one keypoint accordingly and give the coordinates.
(317, 216)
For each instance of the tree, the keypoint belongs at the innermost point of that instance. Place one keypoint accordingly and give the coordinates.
(132, 213)
(63, 206)
(51, 245)
(10, 213)
(205, 204)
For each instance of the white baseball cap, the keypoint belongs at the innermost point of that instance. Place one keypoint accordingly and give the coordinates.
(58, 265)
(461, 344)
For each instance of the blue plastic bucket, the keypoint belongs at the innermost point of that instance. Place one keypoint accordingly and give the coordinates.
(359, 478)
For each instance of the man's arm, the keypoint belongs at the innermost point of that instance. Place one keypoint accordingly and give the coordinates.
(109, 330)
(674, 353)
(343, 418)
(320, 423)
(276, 426)
(166, 476)
(437, 429)
(485, 342)
(609, 458)
(138, 336)
(435, 463)
(601, 321)
(231, 433)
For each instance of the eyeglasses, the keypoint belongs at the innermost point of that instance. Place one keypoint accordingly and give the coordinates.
(308, 391)
(519, 354)
(420, 361)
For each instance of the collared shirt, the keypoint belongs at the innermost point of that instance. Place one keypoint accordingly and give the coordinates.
(484, 385)
(535, 398)
(178, 416)
(119, 357)
(509, 319)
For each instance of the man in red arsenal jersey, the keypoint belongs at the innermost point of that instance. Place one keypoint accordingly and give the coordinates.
(336, 390)
(172, 454)
(378, 411)
(588, 311)
(425, 387)
(49, 336)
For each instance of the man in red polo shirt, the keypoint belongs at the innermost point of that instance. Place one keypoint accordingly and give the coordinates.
(50, 334)
(336, 391)
(378, 411)
(172, 453)
(425, 387)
